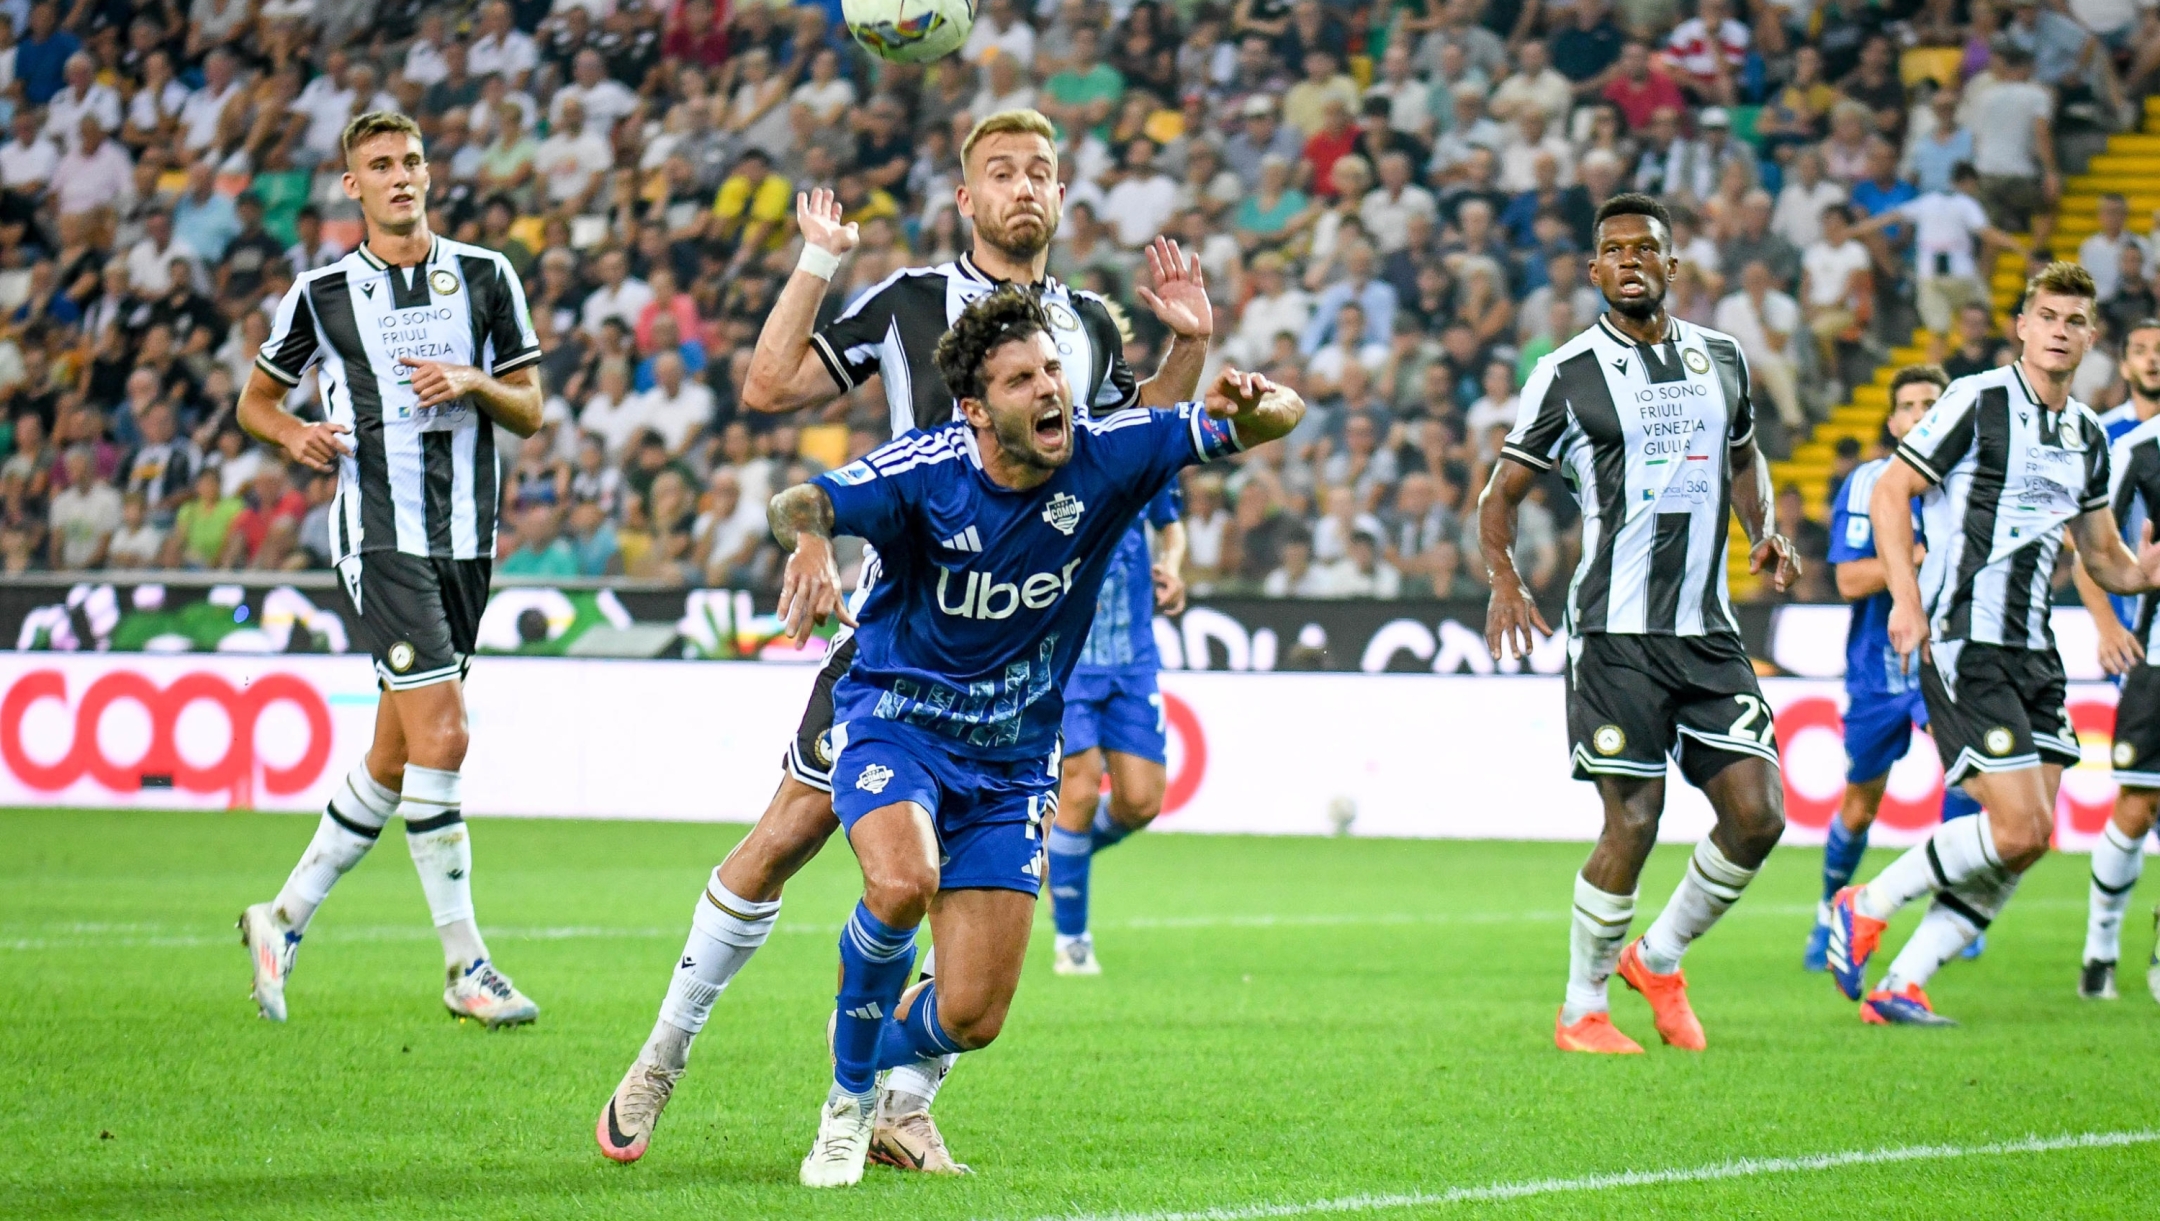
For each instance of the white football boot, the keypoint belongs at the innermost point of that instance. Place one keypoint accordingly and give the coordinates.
(627, 1121)
(486, 995)
(271, 949)
(845, 1125)
(1075, 956)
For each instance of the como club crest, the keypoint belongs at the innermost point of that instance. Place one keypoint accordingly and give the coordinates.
(1063, 512)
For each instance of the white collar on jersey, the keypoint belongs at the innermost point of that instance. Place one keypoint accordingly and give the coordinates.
(966, 264)
(1672, 332)
(376, 261)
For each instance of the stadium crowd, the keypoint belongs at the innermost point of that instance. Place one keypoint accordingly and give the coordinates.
(1391, 203)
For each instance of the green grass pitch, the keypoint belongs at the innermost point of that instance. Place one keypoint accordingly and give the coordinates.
(1282, 1021)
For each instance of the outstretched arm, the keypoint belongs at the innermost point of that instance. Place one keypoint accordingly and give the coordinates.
(1258, 409)
(784, 373)
(802, 521)
(1512, 612)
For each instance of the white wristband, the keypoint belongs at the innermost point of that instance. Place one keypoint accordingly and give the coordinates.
(818, 261)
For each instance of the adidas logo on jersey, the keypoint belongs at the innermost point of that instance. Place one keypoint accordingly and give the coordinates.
(966, 540)
(986, 597)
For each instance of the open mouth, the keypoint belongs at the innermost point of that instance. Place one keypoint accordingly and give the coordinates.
(1050, 428)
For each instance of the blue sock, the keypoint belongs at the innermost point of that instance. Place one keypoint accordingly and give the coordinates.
(1069, 858)
(918, 1037)
(875, 959)
(1957, 805)
(1106, 831)
(1841, 855)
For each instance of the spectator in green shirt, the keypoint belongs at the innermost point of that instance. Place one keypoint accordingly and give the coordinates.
(1082, 97)
(200, 528)
(541, 551)
(283, 190)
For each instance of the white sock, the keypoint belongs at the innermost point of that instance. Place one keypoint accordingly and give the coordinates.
(1599, 931)
(913, 1087)
(1958, 850)
(2116, 862)
(349, 827)
(725, 930)
(442, 853)
(1709, 888)
(1959, 914)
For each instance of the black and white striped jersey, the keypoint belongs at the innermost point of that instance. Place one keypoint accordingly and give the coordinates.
(2008, 476)
(1643, 433)
(894, 328)
(423, 481)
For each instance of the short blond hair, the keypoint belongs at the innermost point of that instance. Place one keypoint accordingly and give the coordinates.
(1025, 121)
(2063, 279)
(372, 124)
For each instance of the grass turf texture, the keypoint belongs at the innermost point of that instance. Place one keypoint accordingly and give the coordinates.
(1281, 1021)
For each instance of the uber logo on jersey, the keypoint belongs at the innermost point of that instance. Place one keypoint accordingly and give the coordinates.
(986, 597)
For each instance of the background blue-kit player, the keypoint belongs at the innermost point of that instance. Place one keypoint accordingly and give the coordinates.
(1883, 704)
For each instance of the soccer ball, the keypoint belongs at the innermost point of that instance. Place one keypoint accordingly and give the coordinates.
(909, 31)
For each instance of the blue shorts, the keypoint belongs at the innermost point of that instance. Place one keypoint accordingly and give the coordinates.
(988, 814)
(1120, 712)
(1878, 731)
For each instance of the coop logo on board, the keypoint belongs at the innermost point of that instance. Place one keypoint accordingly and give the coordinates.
(162, 764)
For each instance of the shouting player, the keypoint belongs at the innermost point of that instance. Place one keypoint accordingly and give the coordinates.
(1114, 724)
(995, 534)
(423, 345)
(1883, 704)
(1652, 420)
(2006, 462)
(1011, 194)
(2124, 626)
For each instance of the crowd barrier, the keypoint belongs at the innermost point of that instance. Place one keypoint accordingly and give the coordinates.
(1441, 756)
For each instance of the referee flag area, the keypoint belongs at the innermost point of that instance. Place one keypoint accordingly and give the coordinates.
(1286, 1027)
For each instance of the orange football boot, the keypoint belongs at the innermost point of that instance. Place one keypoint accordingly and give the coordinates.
(1667, 994)
(1594, 1032)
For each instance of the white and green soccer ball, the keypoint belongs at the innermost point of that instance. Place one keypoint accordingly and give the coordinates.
(909, 31)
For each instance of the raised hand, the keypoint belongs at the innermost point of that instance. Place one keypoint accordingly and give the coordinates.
(1235, 393)
(1179, 298)
(817, 214)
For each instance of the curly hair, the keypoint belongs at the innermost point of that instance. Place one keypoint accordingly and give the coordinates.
(983, 327)
(1633, 203)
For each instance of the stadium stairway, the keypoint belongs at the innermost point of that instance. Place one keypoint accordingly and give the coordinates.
(2130, 165)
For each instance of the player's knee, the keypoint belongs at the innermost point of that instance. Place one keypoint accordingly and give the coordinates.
(973, 1023)
(2135, 811)
(1133, 811)
(899, 892)
(2020, 841)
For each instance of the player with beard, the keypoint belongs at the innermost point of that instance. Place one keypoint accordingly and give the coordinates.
(1010, 193)
(1652, 420)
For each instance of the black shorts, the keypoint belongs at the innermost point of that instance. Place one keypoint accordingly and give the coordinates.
(1993, 709)
(810, 755)
(1635, 699)
(416, 615)
(2137, 730)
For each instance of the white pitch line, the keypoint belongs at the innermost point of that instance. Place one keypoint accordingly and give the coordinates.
(1740, 1169)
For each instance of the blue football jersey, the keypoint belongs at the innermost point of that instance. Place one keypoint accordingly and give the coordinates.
(1871, 665)
(2118, 423)
(986, 592)
(1123, 637)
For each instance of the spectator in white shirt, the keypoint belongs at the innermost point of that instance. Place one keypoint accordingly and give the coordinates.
(1409, 98)
(620, 295)
(572, 161)
(1349, 346)
(82, 95)
(677, 407)
(200, 114)
(1141, 203)
(28, 160)
(1535, 86)
(94, 174)
(2101, 253)
(1764, 321)
(1836, 280)
(614, 414)
(827, 93)
(1518, 161)
(1000, 28)
(1361, 573)
(313, 250)
(150, 262)
(501, 49)
(606, 100)
(1278, 306)
(84, 514)
(1946, 227)
(1800, 204)
(1387, 209)
(424, 62)
(1295, 576)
